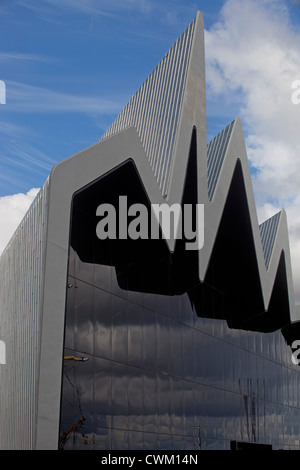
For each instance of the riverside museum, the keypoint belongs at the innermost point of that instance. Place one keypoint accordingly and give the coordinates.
(112, 342)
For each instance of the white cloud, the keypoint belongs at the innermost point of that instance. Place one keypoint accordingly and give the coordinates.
(253, 51)
(12, 210)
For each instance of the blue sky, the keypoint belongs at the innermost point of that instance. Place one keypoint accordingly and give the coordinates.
(70, 66)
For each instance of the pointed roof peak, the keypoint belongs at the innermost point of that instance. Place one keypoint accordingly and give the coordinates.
(155, 109)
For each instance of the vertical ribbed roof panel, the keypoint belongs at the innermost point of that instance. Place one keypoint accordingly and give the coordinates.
(155, 108)
(21, 290)
(216, 151)
(268, 231)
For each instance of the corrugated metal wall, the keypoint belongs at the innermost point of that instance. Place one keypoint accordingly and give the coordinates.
(21, 287)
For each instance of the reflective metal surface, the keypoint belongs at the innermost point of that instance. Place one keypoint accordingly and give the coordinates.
(145, 369)
(160, 377)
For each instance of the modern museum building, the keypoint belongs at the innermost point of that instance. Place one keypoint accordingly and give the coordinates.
(118, 334)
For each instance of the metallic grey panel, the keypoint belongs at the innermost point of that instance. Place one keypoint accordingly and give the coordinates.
(155, 108)
(216, 150)
(21, 288)
(268, 231)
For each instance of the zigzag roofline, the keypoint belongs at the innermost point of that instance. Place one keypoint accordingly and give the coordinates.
(275, 232)
(216, 163)
(104, 153)
(71, 175)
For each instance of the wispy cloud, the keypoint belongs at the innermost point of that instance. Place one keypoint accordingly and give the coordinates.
(171, 13)
(51, 10)
(23, 156)
(22, 97)
(17, 56)
(94, 7)
(21, 159)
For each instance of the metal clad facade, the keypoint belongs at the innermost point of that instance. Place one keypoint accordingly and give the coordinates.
(21, 280)
(33, 291)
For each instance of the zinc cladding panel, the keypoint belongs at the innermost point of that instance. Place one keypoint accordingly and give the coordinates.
(216, 151)
(21, 289)
(268, 231)
(155, 108)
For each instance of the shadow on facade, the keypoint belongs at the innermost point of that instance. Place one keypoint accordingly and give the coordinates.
(231, 290)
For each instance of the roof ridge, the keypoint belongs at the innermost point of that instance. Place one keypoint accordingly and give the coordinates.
(155, 109)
